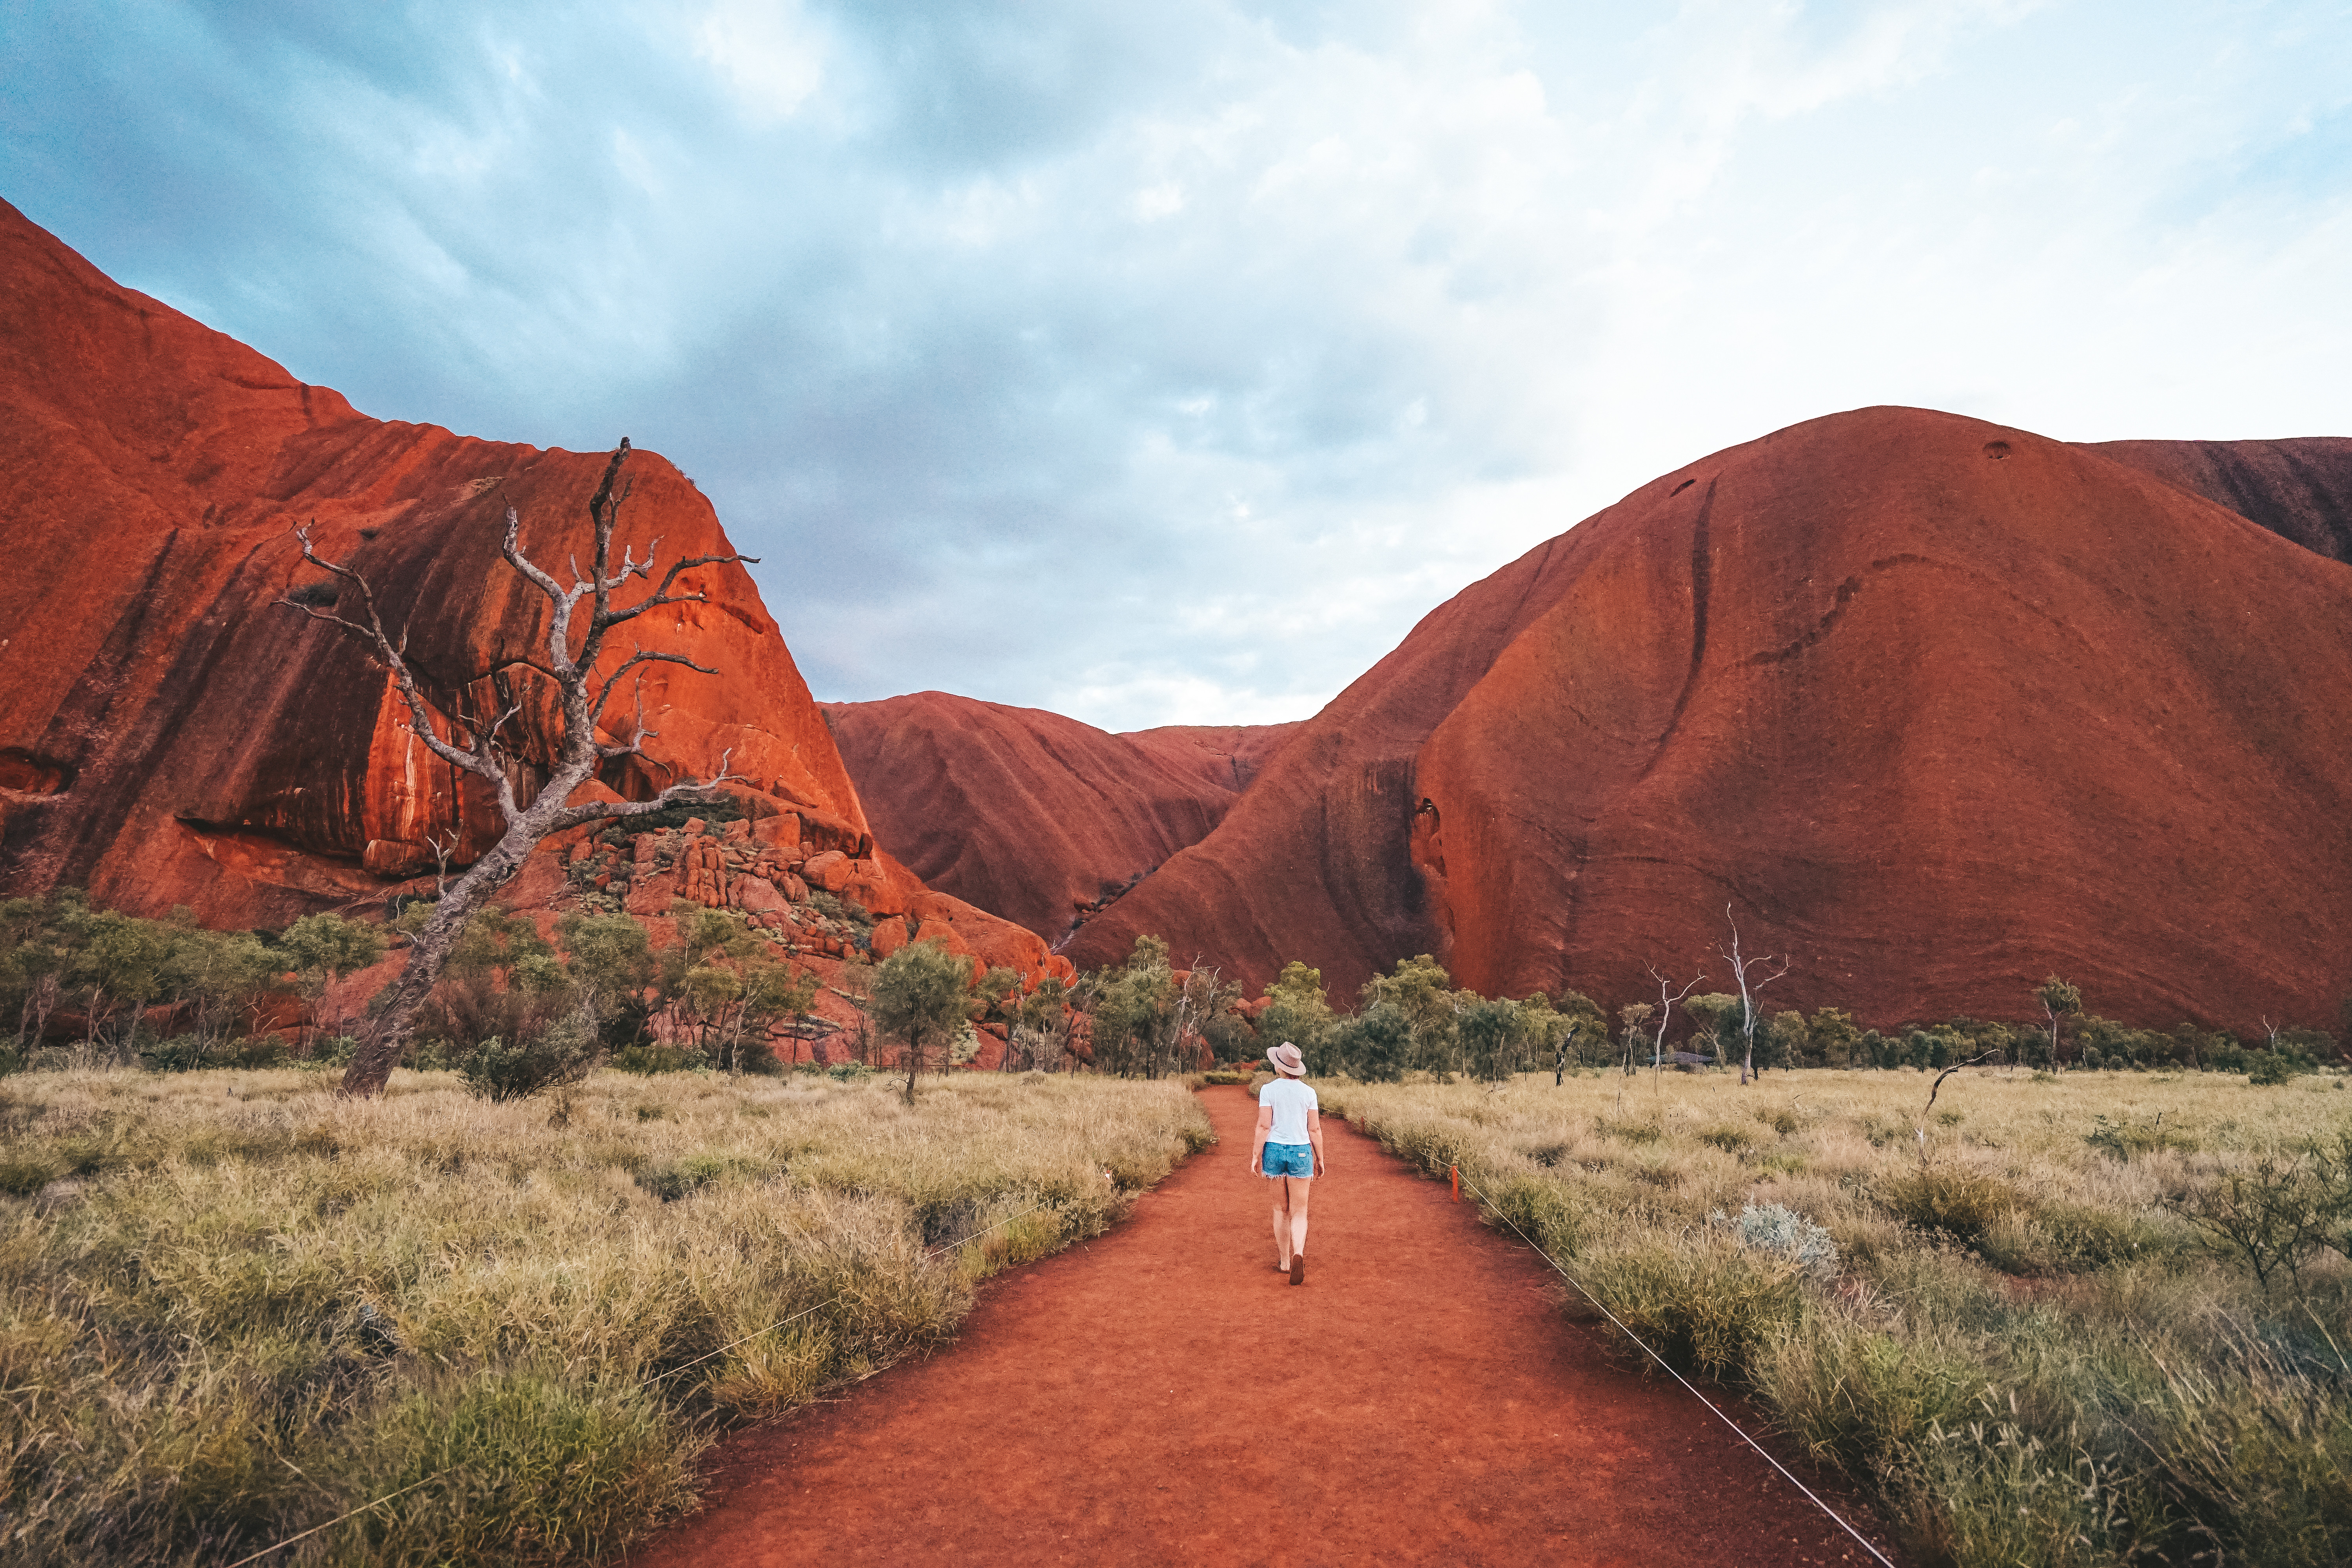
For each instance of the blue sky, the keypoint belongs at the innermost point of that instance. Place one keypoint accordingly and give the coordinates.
(1164, 363)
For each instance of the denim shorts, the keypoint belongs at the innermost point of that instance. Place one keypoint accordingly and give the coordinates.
(1290, 1160)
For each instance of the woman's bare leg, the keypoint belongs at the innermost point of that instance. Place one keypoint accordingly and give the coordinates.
(1281, 1186)
(1296, 1199)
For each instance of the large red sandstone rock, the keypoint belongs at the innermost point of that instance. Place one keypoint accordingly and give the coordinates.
(1937, 708)
(169, 735)
(2299, 489)
(1025, 813)
(1228, 756)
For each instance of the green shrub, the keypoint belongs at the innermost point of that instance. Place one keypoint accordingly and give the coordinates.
(1628, 1131)
(1856, 1394)
(1730, 1139)
(675, 1179)
(1704, 1308)
(2272, 1213)
(649, 1059)
(1961, 1204)
(1540, 1211)
(2278, 1064)
(2126, 1138)
(22, 1176)
(564, 1052)
(519, 1467)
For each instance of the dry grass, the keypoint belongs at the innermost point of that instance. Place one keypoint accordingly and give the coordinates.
(233, 1306)
(2024, 1347)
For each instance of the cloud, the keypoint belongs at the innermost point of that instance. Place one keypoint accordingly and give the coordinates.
(1165, 364)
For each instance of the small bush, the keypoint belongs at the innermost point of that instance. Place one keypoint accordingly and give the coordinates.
(22, 1176)
(1730, 1139)
(2128, 1139)
(1788, 1235)
(649, 1059)
(679, 1178)
(1959, 1204)
(1705, 1310)
(1781, 1121)
(524, 1467)
(564, 1053)
(1629, 1131)
(2276, 1066)
(2272, 1213)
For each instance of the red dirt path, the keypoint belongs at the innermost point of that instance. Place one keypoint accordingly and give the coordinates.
(1163, 1395)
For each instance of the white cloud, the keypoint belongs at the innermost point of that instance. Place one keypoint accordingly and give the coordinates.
(1166, 364)
(766, 52)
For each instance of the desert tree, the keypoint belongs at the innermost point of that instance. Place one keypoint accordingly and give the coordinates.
(1635, 1015)
(922, 998)
(1040, 1033)
(1491, 1033)
(486, 742)
(1740, 966)
(2059, 1000)
(1710, 1011)
(1296, 1009)
(321, 950)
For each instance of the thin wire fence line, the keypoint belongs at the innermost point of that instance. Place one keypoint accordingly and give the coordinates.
(339, 1519)
(1835, 1516)
(747, 1339)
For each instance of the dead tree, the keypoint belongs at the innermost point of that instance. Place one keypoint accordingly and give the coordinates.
(1668, 997)
(487, 749)
(1746, 1000)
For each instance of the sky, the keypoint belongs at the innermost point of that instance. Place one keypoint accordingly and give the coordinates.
(1164, 363)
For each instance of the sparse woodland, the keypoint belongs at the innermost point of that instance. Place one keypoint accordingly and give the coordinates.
(2090, 1305)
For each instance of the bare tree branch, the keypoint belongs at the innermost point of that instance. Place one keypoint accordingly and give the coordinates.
(488, 734)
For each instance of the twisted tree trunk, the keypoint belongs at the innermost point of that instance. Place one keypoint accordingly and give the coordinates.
(488, 754)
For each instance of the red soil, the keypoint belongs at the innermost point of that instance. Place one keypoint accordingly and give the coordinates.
(1937, 708)
(1026, 814)
(1162, 1396)
(169, 735)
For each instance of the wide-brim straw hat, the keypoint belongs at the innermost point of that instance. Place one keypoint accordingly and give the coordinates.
(1286, 1060)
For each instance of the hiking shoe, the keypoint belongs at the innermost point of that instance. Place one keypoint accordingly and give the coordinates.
(1299, 1269)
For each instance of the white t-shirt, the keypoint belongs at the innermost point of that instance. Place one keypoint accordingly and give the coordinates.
(1291, 1101)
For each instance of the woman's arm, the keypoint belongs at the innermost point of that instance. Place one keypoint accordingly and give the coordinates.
(1315, 1136)
(1257, 1144)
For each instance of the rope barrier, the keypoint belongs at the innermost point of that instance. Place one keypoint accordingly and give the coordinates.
(1836, 1518)
(648, 1383)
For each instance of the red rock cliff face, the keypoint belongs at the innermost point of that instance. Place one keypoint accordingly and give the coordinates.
(2299, 489)
(169, 735)
(1937, 708)
(1027, 814)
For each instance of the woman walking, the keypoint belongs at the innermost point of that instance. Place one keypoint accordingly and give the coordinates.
(1290, 1153)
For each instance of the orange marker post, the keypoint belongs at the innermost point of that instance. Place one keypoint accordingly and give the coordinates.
(1454, 1175)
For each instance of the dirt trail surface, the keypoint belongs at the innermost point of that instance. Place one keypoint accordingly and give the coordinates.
(1163, 1395)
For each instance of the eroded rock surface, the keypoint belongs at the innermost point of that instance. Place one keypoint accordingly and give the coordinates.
(170, 735)
(1037, 817)
(1935, 707)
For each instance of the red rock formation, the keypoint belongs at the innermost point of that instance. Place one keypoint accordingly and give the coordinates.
(1935, 707)
(1027, 814)
(2299, 489)
(169, 735)
(1227, 755)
